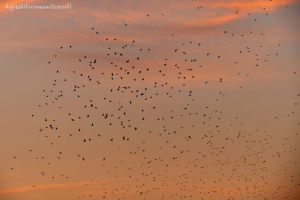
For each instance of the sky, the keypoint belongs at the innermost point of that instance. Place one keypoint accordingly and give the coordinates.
(140, 99)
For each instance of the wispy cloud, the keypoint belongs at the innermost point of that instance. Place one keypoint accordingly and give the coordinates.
(58, 185)
(15, 3)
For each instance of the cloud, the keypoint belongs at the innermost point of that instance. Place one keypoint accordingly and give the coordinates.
(58, 185)
(5, 3)
(253, 5)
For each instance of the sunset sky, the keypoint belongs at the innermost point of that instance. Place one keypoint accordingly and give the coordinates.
(150, 99)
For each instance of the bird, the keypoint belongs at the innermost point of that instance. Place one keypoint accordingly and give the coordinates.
(177, 130)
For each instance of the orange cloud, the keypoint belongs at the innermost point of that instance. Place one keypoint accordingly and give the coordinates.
(5, 3)
(257, 4)
(59, 185)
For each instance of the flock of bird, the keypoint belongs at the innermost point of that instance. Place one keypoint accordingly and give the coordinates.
(150, 131)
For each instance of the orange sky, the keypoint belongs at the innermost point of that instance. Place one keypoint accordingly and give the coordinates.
(186, 134)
